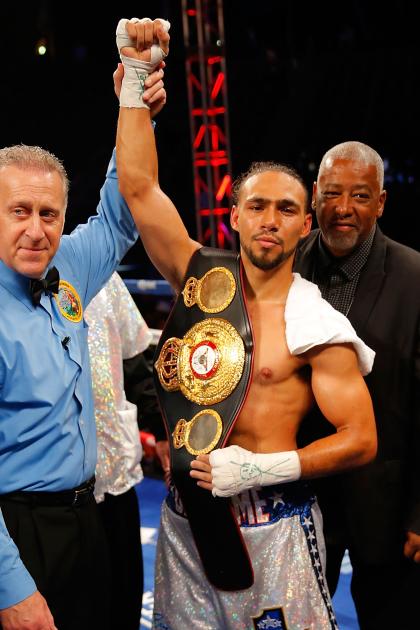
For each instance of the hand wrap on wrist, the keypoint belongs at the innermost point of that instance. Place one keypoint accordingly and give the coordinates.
(136, 71)
(235, 469)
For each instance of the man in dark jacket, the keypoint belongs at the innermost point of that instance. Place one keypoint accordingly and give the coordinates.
(374, 512)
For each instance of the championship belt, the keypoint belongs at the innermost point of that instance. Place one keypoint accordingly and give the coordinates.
(202, 373)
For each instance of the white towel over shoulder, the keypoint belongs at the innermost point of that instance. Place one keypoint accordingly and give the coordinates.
(311, 321)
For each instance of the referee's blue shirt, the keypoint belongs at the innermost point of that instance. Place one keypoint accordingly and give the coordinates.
(47, 426)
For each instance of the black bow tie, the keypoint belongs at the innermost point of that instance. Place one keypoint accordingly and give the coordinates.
(49, 284)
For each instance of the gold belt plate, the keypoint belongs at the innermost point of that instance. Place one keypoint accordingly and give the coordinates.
(213, 292)
(201, 434)
(206, 365)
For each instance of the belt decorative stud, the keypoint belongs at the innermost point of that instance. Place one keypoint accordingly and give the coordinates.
(206, 365)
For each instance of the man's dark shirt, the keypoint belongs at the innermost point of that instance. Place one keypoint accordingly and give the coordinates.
(337, 278)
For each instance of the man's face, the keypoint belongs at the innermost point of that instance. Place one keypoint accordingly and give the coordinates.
(348, 201)
(270, 218)
(32, 208)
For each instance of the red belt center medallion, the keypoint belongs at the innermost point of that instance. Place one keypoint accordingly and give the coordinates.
(204, 359)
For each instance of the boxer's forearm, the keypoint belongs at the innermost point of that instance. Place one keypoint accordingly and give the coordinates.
(235, 469)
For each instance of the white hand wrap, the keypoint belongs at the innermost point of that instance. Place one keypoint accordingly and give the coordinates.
(136, 71)
(235, 469)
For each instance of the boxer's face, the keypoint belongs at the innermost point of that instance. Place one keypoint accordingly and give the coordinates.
(271, 218)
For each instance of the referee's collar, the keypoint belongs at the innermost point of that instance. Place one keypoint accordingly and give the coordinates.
(16, 284)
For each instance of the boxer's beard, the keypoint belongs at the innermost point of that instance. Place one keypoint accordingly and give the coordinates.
(263, 261)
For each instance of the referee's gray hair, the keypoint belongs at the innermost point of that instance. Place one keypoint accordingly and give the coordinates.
(27, 157)
(359, 152)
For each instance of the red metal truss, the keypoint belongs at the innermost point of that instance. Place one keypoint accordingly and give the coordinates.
(203, 27)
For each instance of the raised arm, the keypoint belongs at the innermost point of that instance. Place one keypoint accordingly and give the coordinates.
(162, 231)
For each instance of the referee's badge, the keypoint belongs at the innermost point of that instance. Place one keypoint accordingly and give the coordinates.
(69, 302)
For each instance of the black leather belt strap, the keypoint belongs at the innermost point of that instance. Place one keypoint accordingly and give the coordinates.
(213, 524)
(75, 497)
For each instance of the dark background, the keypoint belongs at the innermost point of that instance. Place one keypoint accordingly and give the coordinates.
(301, 77)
